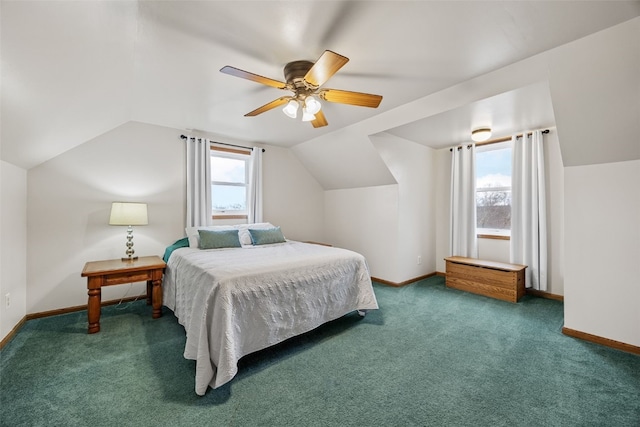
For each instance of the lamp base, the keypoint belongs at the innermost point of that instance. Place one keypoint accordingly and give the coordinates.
(129, 252)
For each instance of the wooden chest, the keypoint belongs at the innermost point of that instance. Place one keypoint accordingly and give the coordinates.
(492, 279)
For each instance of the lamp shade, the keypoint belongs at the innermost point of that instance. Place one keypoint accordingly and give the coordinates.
(125, 213)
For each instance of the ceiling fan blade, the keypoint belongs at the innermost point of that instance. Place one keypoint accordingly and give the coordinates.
(320, 120)
(352, 98)
(326, 66)
(271, 105)
(236, 72)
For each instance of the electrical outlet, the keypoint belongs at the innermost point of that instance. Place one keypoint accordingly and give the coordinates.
(419, 260)
(7, 300)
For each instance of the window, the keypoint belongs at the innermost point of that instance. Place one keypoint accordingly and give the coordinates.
(229, 183)
(493, 189)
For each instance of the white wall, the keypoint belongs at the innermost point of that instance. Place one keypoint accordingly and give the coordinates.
(602, 226)
(413, 167)
(594, 86)
(13, 249)
(391, 225)
(365, 220)
(293, 199)
(69, 200)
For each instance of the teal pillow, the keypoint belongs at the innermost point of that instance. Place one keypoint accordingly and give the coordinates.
(266, 236)
(210, 239)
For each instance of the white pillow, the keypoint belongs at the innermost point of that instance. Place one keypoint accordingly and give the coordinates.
(243, 233)
(245, 236)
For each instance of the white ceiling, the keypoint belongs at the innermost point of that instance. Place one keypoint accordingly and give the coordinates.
(74, 70)
(525, 108)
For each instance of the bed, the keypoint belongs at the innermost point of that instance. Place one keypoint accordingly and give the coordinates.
(233, 301)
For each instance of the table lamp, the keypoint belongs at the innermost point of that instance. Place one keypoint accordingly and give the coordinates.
(129, 214)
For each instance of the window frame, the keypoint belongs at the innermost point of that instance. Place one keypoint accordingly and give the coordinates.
(236, 154)
(493, 233)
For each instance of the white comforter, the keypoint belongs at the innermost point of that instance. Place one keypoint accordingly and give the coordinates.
(233, 302)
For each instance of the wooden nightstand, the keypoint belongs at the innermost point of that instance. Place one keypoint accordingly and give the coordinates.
(118, 272)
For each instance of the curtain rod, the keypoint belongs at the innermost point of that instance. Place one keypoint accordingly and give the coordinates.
(496, 140)
(504, 138)
(221, 143)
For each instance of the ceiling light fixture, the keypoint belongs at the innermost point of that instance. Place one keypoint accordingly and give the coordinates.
(481, 134)
(312, 105)
(306, 115)
(291, 109)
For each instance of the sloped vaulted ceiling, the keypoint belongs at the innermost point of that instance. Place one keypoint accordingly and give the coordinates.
(73, 70)
(595, 82)
(67, 75)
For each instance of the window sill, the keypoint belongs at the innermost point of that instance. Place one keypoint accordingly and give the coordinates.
(494, 236)
(229, 217)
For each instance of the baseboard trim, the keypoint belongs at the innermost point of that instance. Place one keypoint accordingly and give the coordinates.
(602, 341)
(75, 308)
(59, 311)
(543, 294)
(406, 282)
(13, 332)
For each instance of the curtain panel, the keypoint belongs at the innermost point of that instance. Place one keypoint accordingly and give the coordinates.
(528, 209)
(463, 236)
(255, 187)
(198, 182)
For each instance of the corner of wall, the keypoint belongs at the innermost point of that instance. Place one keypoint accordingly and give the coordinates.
(13, 249)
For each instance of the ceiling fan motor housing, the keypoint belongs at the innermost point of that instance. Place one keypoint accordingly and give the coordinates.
(294, 73)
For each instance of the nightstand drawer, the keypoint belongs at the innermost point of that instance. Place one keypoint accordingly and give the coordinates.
(120, 278)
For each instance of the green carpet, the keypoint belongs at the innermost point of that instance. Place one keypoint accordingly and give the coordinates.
(429, 356)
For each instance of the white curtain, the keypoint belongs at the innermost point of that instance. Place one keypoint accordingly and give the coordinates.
(255, 187)
(528, 209)
(464, 240)
(198, 182)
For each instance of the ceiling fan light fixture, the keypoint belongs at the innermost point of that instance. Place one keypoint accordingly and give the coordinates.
(481, 134)
(305, 79)
(291, 109)
(312, 105)
(306, 115)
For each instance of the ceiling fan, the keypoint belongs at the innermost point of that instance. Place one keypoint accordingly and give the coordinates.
(304, 79)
